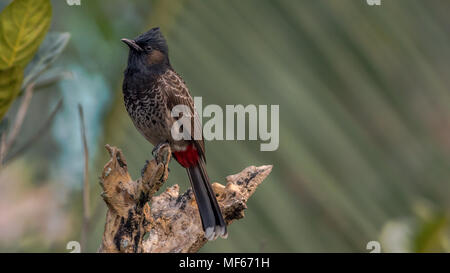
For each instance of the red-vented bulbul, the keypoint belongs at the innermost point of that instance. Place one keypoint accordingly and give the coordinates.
(151, 88)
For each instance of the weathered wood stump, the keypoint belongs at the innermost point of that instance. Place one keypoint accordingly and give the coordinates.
(138, 221)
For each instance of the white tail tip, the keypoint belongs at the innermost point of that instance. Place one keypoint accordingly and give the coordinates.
(211, 233)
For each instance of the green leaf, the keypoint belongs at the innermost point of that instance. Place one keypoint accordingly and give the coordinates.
(10, 83)
(23, 25)
(51, 48)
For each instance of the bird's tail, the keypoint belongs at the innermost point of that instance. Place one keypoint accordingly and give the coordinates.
(212, 220)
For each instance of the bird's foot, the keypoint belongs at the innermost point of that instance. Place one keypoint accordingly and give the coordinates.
(161, 152)
(158, 147)
(162, 155)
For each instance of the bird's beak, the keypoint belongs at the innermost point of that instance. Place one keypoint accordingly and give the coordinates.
(132, 44)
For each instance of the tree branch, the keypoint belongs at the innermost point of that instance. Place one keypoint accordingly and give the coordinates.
(169, 222)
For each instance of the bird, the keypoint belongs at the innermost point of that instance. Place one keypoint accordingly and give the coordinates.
(151, 88)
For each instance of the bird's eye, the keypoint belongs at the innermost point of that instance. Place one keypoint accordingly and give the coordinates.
(148, 48)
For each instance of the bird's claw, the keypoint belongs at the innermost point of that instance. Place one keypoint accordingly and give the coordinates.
(157, 148)
(156, 152)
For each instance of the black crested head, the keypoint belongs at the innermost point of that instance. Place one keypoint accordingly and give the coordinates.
(153, 38)
(149, 53)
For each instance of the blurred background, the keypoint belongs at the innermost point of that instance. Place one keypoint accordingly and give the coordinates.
(364, 103)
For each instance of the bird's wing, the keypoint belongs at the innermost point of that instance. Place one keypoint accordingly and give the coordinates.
(177, 93)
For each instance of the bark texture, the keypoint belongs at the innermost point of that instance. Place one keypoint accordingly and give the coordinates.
(138, 221)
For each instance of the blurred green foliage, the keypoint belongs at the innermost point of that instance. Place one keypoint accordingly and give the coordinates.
(23, 25)
(364, 114)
